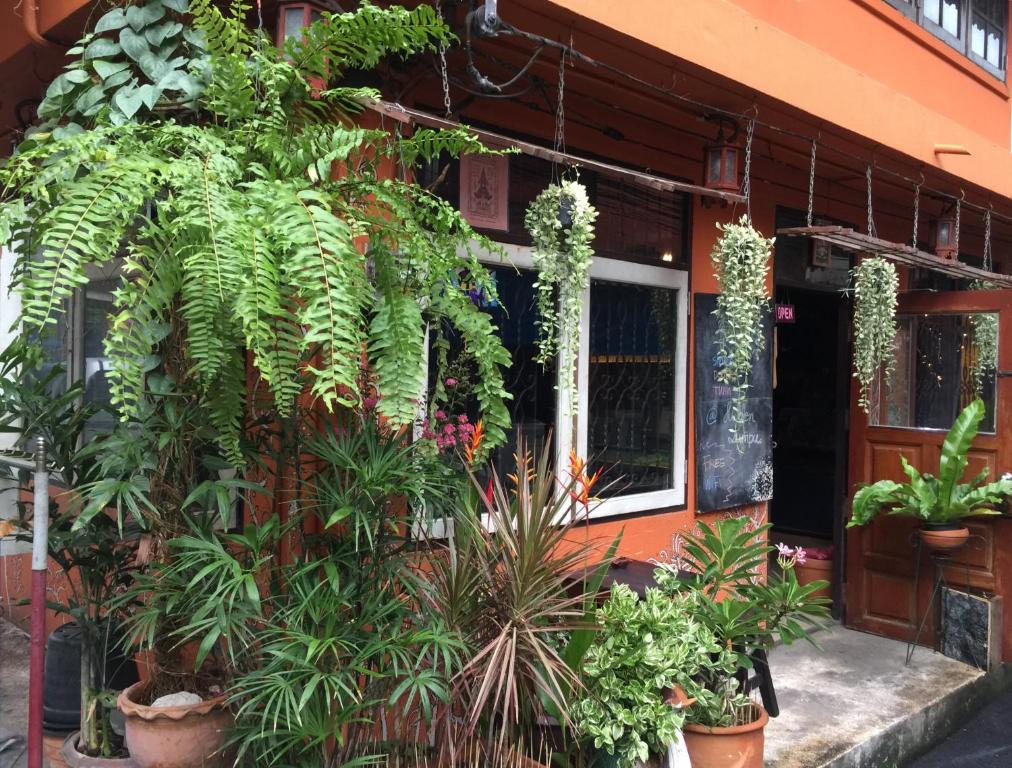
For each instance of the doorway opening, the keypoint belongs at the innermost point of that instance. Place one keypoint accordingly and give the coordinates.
(811, 397)
(807, 416)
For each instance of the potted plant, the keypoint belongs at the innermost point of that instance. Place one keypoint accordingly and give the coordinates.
(943, 501)
(722, 568)
(812, 564)
(519, 587)
(643, 668)
(95, 559)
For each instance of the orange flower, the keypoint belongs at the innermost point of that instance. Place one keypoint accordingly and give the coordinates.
(583, 484)
(477, 438)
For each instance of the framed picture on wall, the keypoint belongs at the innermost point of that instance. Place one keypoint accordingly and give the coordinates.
(484, 191)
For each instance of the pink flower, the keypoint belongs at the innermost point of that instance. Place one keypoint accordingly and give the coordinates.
(449, 429)
(450, 441)
(369, 403)
(441, 415)
(462, 418)
(783, 550)
(800, 556)
(451, 382)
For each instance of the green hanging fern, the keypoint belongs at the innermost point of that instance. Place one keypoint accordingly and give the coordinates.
(741, 262)
(237, 236)
(561, 224)
(985, 341)
(875, 286)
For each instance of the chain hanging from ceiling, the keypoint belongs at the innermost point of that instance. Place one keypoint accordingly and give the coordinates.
(746, 184)
(811, 184)
(871, 219)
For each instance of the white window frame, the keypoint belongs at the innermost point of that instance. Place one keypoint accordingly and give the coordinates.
(633, 273)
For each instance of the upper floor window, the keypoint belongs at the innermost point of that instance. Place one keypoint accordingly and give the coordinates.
(976, 28)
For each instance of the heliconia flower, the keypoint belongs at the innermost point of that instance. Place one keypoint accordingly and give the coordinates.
(472, 446)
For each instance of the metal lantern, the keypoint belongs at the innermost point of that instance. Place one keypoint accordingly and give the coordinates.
(721, 164)
(946, 246)
(294, 17)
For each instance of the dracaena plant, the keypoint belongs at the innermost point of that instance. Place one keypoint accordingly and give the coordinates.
(942, 498)
(235, 230)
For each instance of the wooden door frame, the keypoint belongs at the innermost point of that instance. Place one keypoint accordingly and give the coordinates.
(862, 435)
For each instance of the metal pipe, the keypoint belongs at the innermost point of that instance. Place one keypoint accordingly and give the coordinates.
(40, 559)
(30, 21)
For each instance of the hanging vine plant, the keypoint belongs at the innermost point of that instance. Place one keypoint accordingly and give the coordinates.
(741, 262)
(985, 340)
(561, 224)
(875, 285)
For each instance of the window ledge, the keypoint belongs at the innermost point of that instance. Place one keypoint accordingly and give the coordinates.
(909, 27)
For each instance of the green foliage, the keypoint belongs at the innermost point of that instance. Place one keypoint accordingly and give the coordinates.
(741, 610)
(741, 263)
(561, 224)
(875, 285)
(506, 587)
(940, 499)
(642, 650)
(137, 61)
(238, 234)
(316, 651)
(984, 361)
(95, 558)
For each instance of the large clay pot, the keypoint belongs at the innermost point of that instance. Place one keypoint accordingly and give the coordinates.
(190, 736)
(816, 570)
(75, 759)
(737, 746)
(940, 538)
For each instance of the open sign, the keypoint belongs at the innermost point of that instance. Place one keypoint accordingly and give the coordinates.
(784, 313)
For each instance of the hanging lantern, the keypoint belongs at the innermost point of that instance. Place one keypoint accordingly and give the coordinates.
(293, 17)
(946, 246)
(721, 164)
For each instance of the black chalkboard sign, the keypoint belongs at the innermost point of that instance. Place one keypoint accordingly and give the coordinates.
(733, 467)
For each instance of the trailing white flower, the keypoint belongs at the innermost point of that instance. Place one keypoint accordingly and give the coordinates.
(560, 221)
(985, 340)
(875, 286)
(741, 263)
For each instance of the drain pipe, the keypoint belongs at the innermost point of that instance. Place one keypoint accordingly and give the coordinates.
(40, 558)
(30, 20)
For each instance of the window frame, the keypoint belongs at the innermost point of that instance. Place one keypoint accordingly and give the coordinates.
(914, 10)
(633, 273)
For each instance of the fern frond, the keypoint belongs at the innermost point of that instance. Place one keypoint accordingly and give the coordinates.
(396, 343)
(84, 228)
(325, 273)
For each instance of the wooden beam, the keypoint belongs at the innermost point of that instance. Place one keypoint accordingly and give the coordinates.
(415, 117)
(848, 239)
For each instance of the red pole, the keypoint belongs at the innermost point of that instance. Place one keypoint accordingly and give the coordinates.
(40, 556)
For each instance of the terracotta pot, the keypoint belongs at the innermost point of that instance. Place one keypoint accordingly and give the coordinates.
(941, 538)
(190, 736)
(816, 570)
(737, 746)
(75, 759)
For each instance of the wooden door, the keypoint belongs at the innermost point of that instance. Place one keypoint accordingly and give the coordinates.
(913, 422)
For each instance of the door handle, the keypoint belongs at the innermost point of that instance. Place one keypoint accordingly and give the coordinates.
(1003, 374)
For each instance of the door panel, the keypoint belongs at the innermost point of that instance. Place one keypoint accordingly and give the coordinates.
(881, 557)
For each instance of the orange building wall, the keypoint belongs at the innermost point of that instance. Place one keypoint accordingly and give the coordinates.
(858, 64)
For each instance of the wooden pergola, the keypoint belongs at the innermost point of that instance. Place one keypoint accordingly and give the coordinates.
(908, 256)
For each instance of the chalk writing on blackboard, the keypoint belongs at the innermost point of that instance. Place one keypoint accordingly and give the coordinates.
(733, 457)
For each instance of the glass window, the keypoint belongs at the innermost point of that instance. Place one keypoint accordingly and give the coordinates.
(97, 306)
(982, 38)
(630, 417)
(631, 385)
(942, 362)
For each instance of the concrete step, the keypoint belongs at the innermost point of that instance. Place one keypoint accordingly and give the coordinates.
(855, 704)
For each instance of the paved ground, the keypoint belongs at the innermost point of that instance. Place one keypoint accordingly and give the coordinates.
(982, 743)
(855, 705)
(13, 692)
